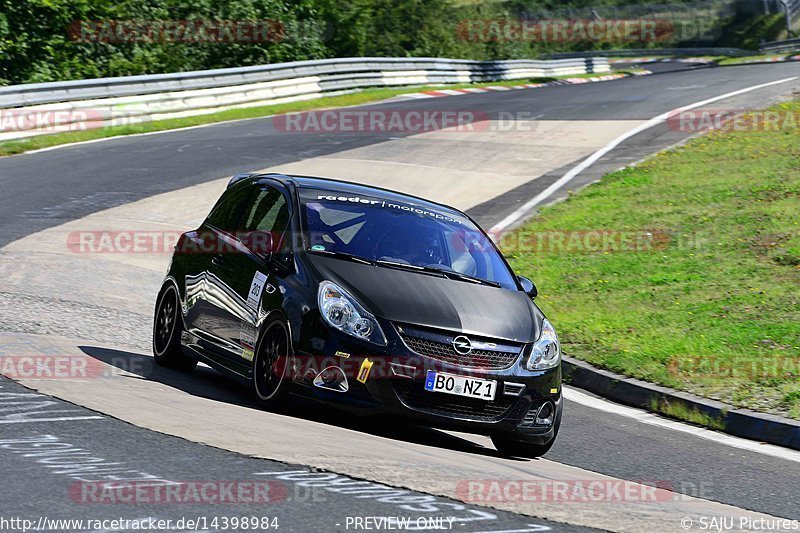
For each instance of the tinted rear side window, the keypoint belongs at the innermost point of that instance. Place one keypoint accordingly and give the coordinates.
(268, 212)
(227, 212)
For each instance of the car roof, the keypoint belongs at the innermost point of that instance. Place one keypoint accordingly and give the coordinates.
(349, 187)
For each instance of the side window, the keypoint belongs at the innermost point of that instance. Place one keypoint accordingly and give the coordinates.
(268, 212)
(226, 213)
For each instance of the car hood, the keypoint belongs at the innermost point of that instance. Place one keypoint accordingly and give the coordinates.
(433, 301)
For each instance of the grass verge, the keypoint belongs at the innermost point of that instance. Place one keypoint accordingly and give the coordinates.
(356, 98)
(751, 59)
(709, 301)
(681, 411)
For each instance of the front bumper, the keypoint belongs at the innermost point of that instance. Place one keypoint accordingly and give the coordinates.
(394, 385)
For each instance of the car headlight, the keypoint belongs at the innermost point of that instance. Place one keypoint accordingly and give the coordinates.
(341, 311)
(546, 352)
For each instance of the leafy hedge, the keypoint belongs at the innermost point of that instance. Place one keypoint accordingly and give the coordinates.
(36, 44)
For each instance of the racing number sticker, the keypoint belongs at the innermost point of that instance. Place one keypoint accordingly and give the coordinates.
(256, 288)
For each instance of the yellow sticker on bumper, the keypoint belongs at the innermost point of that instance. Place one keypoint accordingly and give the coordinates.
(363, 372)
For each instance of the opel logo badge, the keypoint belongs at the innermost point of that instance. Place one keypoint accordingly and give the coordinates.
(462, 345)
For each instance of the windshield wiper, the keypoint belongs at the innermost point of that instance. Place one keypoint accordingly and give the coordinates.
(343, 255)
(406, 266)
(452, 274)
(402, 266)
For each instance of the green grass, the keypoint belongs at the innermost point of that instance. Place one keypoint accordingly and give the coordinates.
(682, 411)
(747, 59)
(714, 308)
(726, 60)
(356, 98)
(654, 53)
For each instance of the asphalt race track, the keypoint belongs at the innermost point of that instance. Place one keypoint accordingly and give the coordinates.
(157, 424)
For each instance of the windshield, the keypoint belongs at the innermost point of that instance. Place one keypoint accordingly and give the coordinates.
(390, 231)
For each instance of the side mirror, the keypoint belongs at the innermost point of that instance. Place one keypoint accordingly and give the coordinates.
(260, 243)
(528, 286)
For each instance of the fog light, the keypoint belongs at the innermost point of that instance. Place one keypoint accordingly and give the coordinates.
(329, 376)
(332, 378)
(545, 415)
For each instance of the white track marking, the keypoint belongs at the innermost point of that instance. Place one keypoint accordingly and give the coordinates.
(59, 419)
(644, 417)
(655, 121)
(134, 135)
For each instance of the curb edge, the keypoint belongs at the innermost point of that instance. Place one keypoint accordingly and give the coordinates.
(633, 392)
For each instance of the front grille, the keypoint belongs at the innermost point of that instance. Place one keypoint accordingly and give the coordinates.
(439, 346)
(413, 395)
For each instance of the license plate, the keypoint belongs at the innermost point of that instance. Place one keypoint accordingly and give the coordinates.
(483, 389)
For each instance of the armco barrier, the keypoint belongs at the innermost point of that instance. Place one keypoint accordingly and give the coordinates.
(654, 52)
(110, 101)
(789, 45)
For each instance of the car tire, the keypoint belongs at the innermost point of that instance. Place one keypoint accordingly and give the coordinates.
(271, 364)
(167, 329)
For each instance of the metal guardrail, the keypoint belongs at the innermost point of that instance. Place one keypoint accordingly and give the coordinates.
(41, 93)
(653, 52)
(789, 45)
(102, 101)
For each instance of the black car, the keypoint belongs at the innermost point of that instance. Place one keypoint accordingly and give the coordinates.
(366, 298)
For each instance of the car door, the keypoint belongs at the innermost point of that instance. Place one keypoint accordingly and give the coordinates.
(205, 292)
(249, 272)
